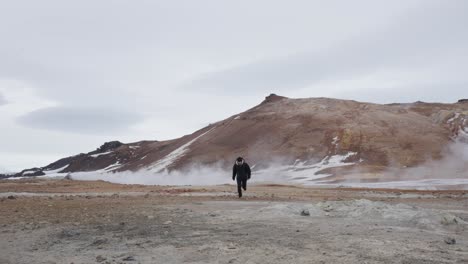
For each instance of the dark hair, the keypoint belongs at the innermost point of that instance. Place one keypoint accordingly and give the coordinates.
(239, 159)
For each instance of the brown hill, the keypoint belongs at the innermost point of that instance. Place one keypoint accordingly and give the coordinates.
(286, 130)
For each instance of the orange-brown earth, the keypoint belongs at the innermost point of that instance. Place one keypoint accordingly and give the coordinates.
(283, 130)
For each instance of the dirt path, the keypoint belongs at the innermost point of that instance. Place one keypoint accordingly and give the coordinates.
(97, 222)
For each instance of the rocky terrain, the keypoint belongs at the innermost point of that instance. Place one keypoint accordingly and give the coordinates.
(339, 139)
(63, 221)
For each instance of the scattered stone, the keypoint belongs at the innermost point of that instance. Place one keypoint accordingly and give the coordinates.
(450, 241)
(231, 246)
(68, 233)
(100, 258)
(129, 258)
(11, 197)
(100, 241)
(150, 217)
(305, 212)
(449, 219)
(167, 223)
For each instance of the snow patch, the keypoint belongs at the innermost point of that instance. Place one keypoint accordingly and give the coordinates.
(303, 173)
(111, 167)
(175, 155)
(28, 172)
(456, 116)
(56, 172)
(100, 154)
(335, 140)
(237, 117)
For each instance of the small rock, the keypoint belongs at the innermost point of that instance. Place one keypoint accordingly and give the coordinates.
(69, 233)
(129, 258)
(150, 216)
(231, 246)
(100, 258)
(450, 241)
(11, 197)
(167, 223)
(305, 212)
(99, 241)
(449, 219)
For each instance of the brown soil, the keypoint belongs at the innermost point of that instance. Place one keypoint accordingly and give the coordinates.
(61, 221)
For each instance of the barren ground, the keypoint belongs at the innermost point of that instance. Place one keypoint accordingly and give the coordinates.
(60, 221)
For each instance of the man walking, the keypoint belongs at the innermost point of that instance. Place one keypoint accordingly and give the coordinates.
(242, 170)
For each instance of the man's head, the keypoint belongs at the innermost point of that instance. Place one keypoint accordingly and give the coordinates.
(239, 161)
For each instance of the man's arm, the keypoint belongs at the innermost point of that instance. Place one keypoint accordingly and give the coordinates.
(234, 172)
(248, 170)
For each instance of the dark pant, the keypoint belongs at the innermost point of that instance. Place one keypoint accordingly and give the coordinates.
(241, 184)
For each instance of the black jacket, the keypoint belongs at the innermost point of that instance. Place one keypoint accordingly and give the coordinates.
(242, 171)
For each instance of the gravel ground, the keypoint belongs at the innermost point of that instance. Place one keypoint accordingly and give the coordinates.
(97, 222)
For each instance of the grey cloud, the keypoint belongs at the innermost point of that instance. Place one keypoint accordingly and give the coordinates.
(3, 101)
(95, 56)
(81, 120)
(447, 92)
(423, 37)
(79, 48)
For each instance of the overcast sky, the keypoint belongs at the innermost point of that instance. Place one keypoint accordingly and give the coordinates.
(74, 74)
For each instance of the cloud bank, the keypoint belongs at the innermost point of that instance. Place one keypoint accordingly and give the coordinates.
(166, 59)
(3, 101)
(80, 120)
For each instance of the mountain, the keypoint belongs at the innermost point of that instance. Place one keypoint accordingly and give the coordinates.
(319, 135)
